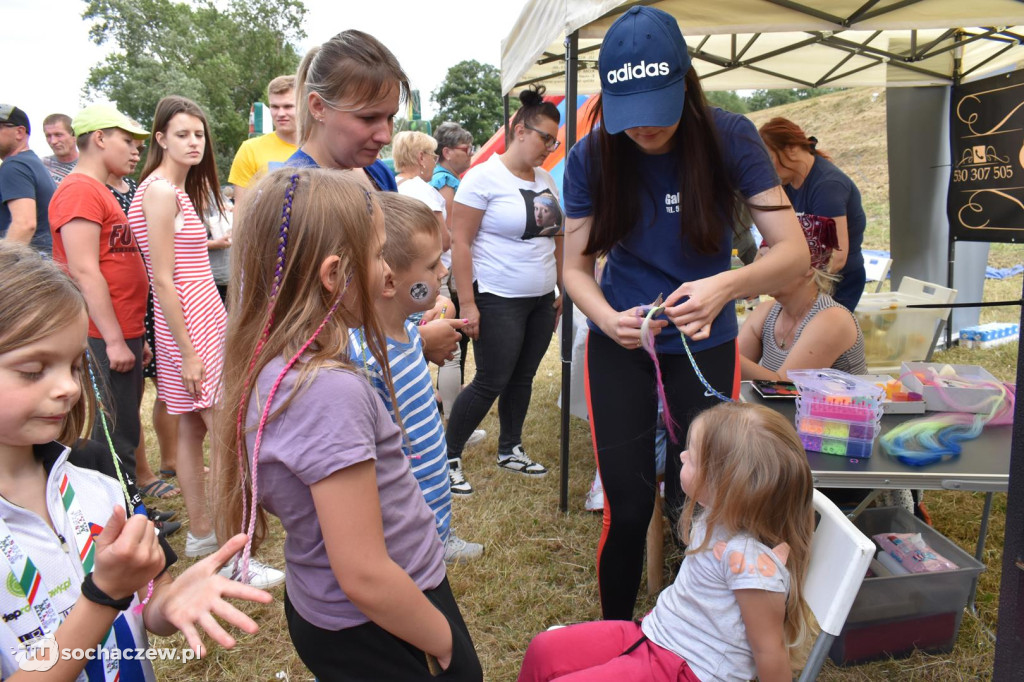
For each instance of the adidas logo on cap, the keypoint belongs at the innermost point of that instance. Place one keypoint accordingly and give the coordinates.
(642, 70)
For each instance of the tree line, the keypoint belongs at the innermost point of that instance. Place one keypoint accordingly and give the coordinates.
(222, 55)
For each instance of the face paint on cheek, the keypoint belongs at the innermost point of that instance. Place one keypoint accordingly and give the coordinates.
(419, 291)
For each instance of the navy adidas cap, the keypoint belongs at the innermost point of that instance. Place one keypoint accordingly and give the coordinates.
(643, 63)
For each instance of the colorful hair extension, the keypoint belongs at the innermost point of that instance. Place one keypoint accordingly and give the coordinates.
(647, 341)
(251, 529)
(106, 430)
(275, 289)
(117, 462)
(933, 439)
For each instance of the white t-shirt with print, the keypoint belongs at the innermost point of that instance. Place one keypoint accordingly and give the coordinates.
(510, 258)
(698, 617)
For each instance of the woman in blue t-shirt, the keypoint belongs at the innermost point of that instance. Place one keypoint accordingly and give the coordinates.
(815, 186)
(349, 89)
(653, 188)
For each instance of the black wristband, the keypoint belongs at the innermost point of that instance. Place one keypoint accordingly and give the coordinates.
(98, 596)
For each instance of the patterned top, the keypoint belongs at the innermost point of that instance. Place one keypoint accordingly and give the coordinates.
(58, 169)
(773, 357)
(201, 305)
(424, 444)
(125, 198)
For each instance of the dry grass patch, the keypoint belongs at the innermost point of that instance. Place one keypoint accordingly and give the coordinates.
(539, 567)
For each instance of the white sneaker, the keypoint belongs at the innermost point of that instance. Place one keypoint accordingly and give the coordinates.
(595, 498)
(475, 438)
(260, 575)
(457, 479)
(458, 551)
(197, 547)
(518, 462)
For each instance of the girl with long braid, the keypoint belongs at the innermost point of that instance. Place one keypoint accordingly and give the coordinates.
(305, 436)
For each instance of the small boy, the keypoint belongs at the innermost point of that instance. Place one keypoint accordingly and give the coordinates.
(413, 251)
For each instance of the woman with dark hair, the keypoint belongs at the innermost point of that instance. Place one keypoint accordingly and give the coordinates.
(653, 187)
(506, 272)
(179, 184)
(817, 187)
(348, 92)
(454, 155)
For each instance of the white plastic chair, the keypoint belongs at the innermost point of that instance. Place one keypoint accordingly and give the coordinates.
(937, 294)
(840, 555)
(876, 268)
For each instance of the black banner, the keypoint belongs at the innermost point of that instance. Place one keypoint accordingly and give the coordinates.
(986, 184)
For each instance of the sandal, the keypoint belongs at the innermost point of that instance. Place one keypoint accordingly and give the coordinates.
(159, 490)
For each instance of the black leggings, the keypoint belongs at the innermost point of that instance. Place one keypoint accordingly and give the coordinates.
(369, 652)
(623, 404)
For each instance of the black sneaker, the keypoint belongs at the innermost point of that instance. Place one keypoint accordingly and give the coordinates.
(457, 479)
(157, 515)
(518, 462)
(166, 528)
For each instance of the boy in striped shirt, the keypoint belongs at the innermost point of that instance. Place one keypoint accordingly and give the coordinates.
(413, 252)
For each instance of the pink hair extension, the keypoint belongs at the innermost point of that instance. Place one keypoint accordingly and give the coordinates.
(647, 341)
(932, 439)
(275, 289)
(251, 529)
(138, 608)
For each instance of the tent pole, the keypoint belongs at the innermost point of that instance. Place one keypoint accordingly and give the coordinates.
(1010, 628)
(568, 333)
(950, 263)
(505, 107)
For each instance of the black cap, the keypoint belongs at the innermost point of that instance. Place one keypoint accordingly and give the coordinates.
(12, 115)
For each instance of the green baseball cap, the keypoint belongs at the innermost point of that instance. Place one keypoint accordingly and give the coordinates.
(103, 116)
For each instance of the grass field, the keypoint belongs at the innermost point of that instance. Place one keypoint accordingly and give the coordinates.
(539, 569)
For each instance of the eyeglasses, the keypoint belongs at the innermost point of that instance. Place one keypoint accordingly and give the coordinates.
(550, 143)
(468, 148)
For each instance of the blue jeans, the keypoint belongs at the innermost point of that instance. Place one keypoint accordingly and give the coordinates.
(514, 336)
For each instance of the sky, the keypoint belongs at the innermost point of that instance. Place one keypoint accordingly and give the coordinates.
(52, 41)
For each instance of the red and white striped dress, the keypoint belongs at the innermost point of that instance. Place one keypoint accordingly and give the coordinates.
(205, 317)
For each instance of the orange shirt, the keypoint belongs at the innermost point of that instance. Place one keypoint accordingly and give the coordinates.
(80, 196)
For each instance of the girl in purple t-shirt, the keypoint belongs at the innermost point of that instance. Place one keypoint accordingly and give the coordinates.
(304, 436)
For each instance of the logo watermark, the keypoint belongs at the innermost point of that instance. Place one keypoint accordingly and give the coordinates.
(42, 654)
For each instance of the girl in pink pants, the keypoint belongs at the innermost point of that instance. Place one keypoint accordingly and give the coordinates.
(736, 610)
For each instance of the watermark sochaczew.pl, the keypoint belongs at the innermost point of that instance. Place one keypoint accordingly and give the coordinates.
(43, 654)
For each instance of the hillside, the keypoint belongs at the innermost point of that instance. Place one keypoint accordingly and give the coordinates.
(850, 127)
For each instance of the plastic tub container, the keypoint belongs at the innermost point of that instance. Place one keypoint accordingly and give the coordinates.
(837, 413)
(972, 399)
(894, 615)
(843, 447)
(894, 333)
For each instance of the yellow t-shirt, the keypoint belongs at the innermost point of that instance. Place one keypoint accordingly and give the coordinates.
(254, 155)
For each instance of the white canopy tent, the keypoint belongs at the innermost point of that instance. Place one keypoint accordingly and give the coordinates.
(739, 44)
(919, 47)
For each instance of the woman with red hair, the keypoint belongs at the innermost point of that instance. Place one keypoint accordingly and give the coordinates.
(815, 186)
